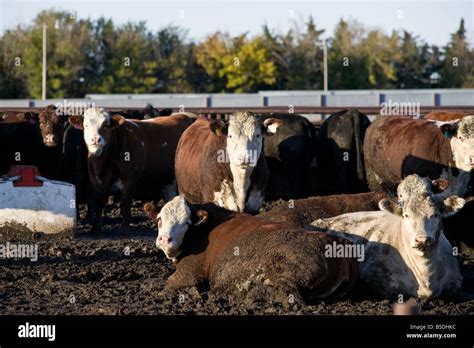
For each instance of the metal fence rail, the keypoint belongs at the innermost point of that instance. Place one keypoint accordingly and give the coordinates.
(315, 110)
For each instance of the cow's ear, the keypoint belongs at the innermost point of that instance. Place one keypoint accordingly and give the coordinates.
(218, 127)
(449, 129)
(76, 121)
(390, 206)
(201, 217)
(150, 210)
(452, 205)
(439, 185)
(116, 120)
(271, 125)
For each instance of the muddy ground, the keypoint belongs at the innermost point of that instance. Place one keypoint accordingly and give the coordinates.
(113, 274)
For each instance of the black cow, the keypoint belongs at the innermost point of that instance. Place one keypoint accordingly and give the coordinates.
(340, 153)
(289, 155)
(28, 138)
(143, 114)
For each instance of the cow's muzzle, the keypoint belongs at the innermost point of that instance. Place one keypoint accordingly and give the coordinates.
(50, 140)
(424, 243)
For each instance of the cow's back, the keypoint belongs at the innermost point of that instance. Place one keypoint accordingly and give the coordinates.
(445, 116)
(397, 146)
(304, 211)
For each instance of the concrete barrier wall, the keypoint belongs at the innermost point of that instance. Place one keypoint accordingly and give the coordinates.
(236, 100)
(296, 100)
(425, 99)
(343, 98)
(352, 100)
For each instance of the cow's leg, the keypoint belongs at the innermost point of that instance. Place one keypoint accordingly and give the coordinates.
(188, 274)
(126, 206)
(96, 207)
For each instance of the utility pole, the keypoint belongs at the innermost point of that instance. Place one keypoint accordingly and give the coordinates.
(43, 94)
(325, 49)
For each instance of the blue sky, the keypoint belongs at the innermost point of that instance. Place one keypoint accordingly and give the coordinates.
(432, 20)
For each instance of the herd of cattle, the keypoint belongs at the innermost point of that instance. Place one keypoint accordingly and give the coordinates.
(382, 206)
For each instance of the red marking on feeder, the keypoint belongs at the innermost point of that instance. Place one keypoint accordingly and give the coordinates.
(27, 176)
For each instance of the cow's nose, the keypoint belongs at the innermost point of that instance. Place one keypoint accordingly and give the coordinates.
(164, 240)
(243, 159)
(422, 240)
(50, 139)
(471, 159)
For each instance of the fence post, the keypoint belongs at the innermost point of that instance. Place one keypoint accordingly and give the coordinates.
(323, 104)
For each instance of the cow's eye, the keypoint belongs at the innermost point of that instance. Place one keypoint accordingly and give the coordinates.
(405, 215)
(159, 223)
(258, 135)
(461, 138)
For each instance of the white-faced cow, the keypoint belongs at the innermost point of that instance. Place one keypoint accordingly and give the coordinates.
(220, 162)
(406, 252)
(129, 155)
(397, 146)
(244, 256)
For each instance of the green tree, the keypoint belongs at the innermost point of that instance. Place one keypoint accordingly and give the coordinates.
(297, 56)
(412, 63)
(248, 66)
(458, 67)
(347, 58)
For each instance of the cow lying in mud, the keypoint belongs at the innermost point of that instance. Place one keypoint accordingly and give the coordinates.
(247, 257)
(406, 252)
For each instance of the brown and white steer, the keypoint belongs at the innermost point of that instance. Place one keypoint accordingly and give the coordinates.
(124, 155)
(220, 162)
(397, 146)
(406, 252)
(245, 256)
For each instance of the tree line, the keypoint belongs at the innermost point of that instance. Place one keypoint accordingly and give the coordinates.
(98, 56)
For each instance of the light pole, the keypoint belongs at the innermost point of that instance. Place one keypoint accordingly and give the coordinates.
(43, 89)
(325, 50)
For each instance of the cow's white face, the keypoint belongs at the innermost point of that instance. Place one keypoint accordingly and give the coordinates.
(94, 120)
(173, 222)
(462, 142)
(244, 140)
(421, 222)
(421, 212)
(245, 132)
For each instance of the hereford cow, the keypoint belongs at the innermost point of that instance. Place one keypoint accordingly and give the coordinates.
(127, 155)
(397, 146)
(302, 212)
(289, 155)
(247, 257)
(219, 162)
(340, 155)
(406, 252)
